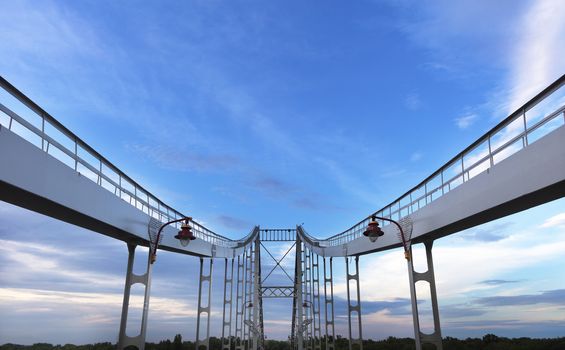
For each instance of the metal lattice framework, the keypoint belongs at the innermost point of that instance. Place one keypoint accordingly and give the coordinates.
(312, 312)
(277, 292)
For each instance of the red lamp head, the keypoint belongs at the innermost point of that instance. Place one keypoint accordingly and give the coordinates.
(373, 231)
(185, 234)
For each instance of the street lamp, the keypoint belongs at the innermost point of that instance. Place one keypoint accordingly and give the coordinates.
(185, 235)
(256, 330)
(373, 232)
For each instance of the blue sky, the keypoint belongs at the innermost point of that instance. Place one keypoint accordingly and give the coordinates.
(244, 113)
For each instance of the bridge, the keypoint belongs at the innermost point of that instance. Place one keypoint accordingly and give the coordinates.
(518, 164)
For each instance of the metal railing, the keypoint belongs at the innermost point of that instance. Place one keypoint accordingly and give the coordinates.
(278, 235)
(535, 119)
(24, 117)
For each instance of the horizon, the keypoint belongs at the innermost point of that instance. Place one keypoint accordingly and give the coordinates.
(286, 341)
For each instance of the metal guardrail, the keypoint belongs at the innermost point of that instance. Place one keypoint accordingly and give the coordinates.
(278, 235)
(535, 119)
(21, 115)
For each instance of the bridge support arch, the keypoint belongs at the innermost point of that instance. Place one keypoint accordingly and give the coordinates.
(427, 276)
(228, 304)
(354, 308)
(329, 304)
(139, 340)
(203, 342)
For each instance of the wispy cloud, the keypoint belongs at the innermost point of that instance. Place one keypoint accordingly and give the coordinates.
(510, 327)
(310, 203)
(394, 307)
(96, 312)
(461, 311)
(348, 182)
(416, 156)
(231, 193)
(183, 160)
(449, 31)
(413, 102)
(233, 222)
(555, 297)
(478, 259)
(537, 56)
(56, 266)
(273, 186)
(498, 282)
(466, 121)
(56, 34)
(527, 47)
(392, 172)
(492, 233)
(555, 221)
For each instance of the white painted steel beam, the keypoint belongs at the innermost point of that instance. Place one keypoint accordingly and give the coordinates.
(429, 277)
(32, 178)
(530, 177)
(228, 304)
(35, 180)
(138, 340)
(204, 286)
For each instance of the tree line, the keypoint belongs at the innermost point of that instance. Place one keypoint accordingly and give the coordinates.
(488, 342)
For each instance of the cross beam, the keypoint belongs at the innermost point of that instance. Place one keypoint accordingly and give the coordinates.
(277, 292)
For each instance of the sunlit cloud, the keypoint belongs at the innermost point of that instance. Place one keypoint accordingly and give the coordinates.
(536, 58)
(82, 310)
(50, 263)
(555, 221)
(497, 282)
(385, 276)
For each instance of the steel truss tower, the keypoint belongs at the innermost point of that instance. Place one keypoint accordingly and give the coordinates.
(245, 287)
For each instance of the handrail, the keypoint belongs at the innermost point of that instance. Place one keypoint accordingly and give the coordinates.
(395, 208)
(402, 206)
(249, 238)
(305, 237)
(136, 194)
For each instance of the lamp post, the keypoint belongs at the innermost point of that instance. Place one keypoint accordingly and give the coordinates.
(256, 330)
(303, 326)
(373, 232)
(185, 235)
